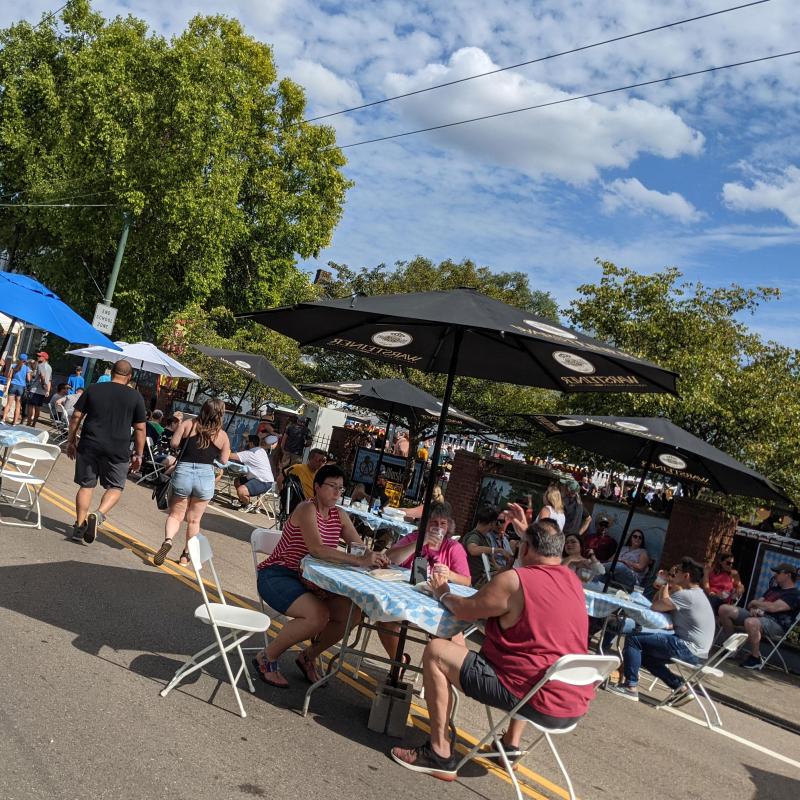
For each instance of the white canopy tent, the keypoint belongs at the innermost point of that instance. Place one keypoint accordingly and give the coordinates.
(144, 356)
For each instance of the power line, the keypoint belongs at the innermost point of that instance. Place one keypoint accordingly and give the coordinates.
(57, 205)
(537, 60)
(568, 100)
(50, 15)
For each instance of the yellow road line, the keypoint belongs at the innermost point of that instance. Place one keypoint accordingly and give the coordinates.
(418, 713)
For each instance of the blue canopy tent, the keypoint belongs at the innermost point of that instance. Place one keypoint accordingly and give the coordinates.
(24, 298)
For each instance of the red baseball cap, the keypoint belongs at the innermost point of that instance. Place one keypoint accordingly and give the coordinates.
(44, 355)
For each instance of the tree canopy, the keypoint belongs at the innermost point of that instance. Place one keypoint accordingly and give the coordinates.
(196, 138)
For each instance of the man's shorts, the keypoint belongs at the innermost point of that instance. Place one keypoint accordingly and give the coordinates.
(771, 627)
(89, 466)
(255, 487)
(480, 682)
(36, 400)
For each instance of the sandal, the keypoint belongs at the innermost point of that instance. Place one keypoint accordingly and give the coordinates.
(405, 659)
(183, 559)
(308, 668)
(270, 673)
(161, 554)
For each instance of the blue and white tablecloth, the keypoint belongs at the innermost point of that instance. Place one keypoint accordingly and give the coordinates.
(376, 523)
(15, 434)
(387, 601)
(637, 608)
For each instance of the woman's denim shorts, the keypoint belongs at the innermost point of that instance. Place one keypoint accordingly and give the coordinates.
(280, 586)
(193, 480)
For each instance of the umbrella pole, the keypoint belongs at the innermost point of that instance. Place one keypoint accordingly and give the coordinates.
(238, 405)
(8, 335)
(394, 675)
(380, 456)
(631, 511)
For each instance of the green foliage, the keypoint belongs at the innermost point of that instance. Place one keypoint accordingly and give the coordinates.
(737, 391)
(196, 137)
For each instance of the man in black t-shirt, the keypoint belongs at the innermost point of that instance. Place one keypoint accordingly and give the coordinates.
(293, 442)
(108, 412)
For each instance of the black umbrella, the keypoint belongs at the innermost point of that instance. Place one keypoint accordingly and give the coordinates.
(257, 368)
(462, 332)
(655, 444)
(396, 397)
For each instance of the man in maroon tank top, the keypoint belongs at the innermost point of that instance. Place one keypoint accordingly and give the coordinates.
(534, 614)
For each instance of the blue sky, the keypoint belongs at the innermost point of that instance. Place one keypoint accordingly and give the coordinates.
(702, 173)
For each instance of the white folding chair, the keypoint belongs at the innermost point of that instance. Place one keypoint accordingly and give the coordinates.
(61, 425)
(575, 670)
(151, 469)
(262, 542)
(21, 468)
(776, 645)
(693, 675)
(232, 625)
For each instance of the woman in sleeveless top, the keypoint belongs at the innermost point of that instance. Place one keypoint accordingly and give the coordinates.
(553, 506)
(314, 528)
(198, 442)
(721, 582)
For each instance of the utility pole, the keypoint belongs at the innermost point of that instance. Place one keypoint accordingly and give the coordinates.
(88, 364)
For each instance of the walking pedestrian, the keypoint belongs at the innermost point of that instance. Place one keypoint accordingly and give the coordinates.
(39, 389)
(199, 442)
(108, 411)
(20, 377)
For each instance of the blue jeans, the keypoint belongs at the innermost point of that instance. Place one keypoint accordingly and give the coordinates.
(654, 651)
(624, 574)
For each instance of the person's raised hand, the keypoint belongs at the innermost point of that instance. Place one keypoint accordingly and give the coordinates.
(516, 515)
(438, 583)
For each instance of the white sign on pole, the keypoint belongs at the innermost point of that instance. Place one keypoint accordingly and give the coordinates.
(104, 318)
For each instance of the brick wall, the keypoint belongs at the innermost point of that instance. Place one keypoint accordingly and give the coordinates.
(697, 529)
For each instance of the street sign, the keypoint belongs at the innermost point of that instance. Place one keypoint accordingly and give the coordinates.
(104, 318)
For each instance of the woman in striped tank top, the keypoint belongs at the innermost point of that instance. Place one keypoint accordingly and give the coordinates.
(314, 528)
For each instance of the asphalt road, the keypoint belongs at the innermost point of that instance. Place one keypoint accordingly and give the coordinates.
(92, 633)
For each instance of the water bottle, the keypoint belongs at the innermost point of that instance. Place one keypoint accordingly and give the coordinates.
(376, 506)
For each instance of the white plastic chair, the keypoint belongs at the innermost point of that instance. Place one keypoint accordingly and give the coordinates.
(21, 467)
(575, 670)
(262, 542)
(151, 469)
(776, 645)
(693, 675)
(61, 425)
(232, 625)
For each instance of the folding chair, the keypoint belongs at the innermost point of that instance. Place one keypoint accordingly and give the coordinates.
(776, 645)
(232, 625)
(266, 503)
(575, 670)
(262, 542)
(151, 469)
(693, 675)
(20, 467)
(61, 425)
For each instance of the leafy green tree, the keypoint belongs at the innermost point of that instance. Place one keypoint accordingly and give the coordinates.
(196, 138)
(737, 391)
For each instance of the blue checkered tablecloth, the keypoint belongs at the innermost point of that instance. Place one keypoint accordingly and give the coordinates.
(15, 434)
(376, 523)
(387, 601)
(637, 608)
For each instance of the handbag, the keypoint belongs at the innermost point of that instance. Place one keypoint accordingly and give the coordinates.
(162, 490)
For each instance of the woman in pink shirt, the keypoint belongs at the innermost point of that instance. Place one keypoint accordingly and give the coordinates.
(444, 554)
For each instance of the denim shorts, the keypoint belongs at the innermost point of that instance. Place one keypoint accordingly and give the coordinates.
(280, 586)
(15, 390)
(255, 487)
(193, 480)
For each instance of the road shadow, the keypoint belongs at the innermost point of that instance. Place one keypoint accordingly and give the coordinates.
(13, 515)
(240, 530)
(771, 785)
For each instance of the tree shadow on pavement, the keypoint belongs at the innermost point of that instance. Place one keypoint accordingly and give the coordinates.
(771, 785)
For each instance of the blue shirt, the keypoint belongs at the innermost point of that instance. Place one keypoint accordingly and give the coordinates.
(75, 382)
(104, 379)
(20, 376)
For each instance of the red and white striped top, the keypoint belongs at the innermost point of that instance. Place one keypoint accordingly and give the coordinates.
(291, 549)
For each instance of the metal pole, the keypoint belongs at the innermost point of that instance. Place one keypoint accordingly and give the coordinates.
(380, 456)
(238, 405)
(112, 282)
(636, 497)
(7, 337)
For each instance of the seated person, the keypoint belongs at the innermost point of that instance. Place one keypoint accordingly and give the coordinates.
(721, 582)
(154, 429)
(693, 623)
(442, 553)
(633, 561)
(379, 490)
(71, 400)
(772, 614)
(57, 402)
(305, 472)
(534, 614)
(484, 539)
(259, 477)
(162, 449)
(314, 527)
(600, 541)
(584, 565)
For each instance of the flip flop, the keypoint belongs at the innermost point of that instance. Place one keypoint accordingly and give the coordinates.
(308, 668)
(269, 672)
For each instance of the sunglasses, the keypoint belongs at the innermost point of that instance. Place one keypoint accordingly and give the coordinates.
(728, 561)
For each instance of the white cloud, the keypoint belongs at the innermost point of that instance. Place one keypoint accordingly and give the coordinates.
(573, 141)
(631, 194)
(777, 193)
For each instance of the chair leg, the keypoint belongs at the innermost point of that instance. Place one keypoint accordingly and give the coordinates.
(561, 766)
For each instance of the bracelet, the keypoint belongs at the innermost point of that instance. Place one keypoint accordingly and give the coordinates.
(441, 599)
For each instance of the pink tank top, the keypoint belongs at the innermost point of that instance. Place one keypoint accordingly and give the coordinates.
(553, 623)
(291, 549)
(720, 582)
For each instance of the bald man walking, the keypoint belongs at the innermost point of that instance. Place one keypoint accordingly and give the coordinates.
(108, 412)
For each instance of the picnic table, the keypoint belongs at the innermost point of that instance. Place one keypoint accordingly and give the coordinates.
(397, 526)
(636, 606)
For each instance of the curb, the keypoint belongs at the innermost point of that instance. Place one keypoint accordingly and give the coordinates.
(790, 725)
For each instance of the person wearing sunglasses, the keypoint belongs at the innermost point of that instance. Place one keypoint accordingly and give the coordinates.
(721, 582)
(633, 560)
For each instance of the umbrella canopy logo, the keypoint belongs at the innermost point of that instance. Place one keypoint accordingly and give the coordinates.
(242, 364)
(392, 339)
(573, 362)
(549, 329)
(633, 426)
(570, 423)
(671, 461)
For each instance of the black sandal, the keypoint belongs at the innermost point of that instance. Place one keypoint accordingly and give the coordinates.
(183, 559)
(161, 553)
